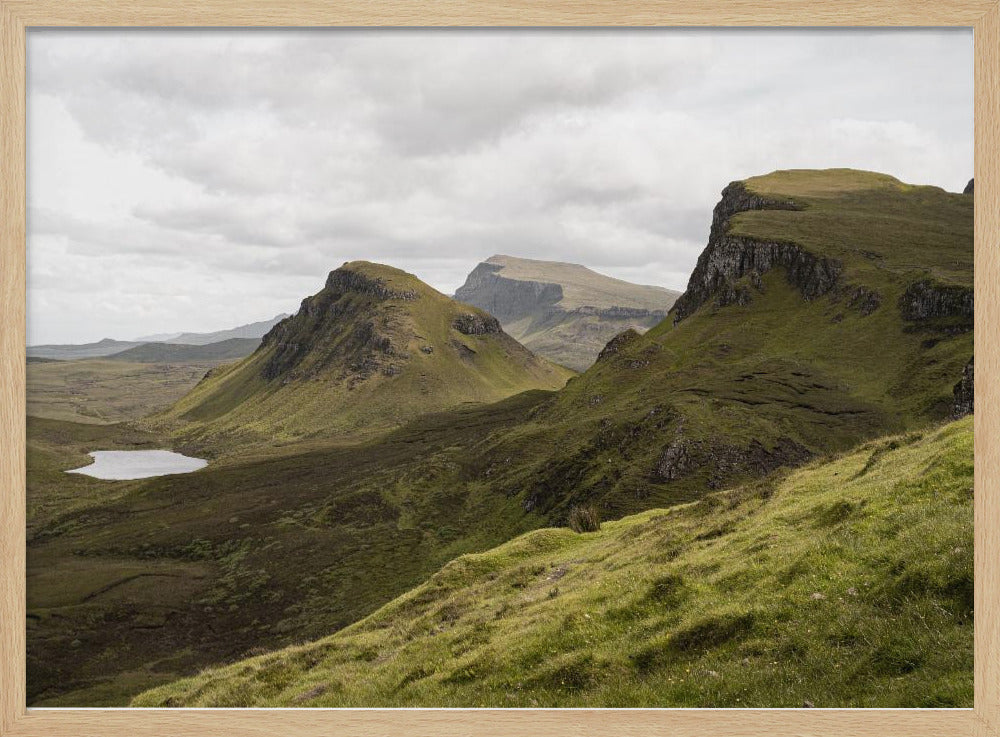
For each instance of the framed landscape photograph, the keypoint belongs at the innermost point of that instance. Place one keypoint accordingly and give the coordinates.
(472, 369)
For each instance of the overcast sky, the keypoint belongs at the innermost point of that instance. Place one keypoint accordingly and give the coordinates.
(197, 180)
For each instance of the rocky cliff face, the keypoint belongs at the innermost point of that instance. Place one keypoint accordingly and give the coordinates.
(683, 456)
(806, 366)
(563, 312)
(927, 299)
(728, 258)
(506, 299)
(965, 392)
(365, 346)
(616, 344)
(969, 187)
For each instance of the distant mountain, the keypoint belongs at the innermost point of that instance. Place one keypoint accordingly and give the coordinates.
(252, 330)
(110, 347)
(565, 312)
(373, 349)
(158, 338)
(69, 352)
(230, 349)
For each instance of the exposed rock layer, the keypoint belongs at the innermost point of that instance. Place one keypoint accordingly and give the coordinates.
(564, 312)
(473, 324)
(729, 258)
(965, 392)
(927, 299)
(345, 295)
(684, 456)
(617, 343)
(506, 299)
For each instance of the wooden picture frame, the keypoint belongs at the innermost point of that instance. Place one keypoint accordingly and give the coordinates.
(18, 16)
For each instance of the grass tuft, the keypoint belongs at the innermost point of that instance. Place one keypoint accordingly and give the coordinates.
(584, 518)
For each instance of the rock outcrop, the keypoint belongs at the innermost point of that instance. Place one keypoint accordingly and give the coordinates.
(618, 342)
(684, 456)
(965, 392)
(345, 281)
(477, 324)
(927, 299)
(506, 299)
(729, 258)
(863, 299)
(365, 344)
(969, 187)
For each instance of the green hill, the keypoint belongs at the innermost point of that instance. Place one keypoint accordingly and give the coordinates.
(224, 350)
(374, 348)
(828, 307)
(845, 584)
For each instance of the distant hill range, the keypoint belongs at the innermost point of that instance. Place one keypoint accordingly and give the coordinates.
(373, 349)
(565, 312)
(253, 330)
(224, 350)
(110, 347)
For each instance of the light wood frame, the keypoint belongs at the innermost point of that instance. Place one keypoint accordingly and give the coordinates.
(16, 16)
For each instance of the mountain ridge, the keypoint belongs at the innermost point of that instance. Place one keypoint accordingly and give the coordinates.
(250, 330)
(565, 312)
(223, 350)
(110, 347)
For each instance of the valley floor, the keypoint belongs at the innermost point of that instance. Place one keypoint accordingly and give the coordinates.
(103, 390)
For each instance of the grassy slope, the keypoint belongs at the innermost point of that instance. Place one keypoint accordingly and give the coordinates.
(106, 390)
(847, 583)
(324, 394)
(879, 226)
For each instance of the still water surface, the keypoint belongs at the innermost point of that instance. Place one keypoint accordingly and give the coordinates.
(138, 464)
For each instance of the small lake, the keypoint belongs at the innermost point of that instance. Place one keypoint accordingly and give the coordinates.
(120, 465)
